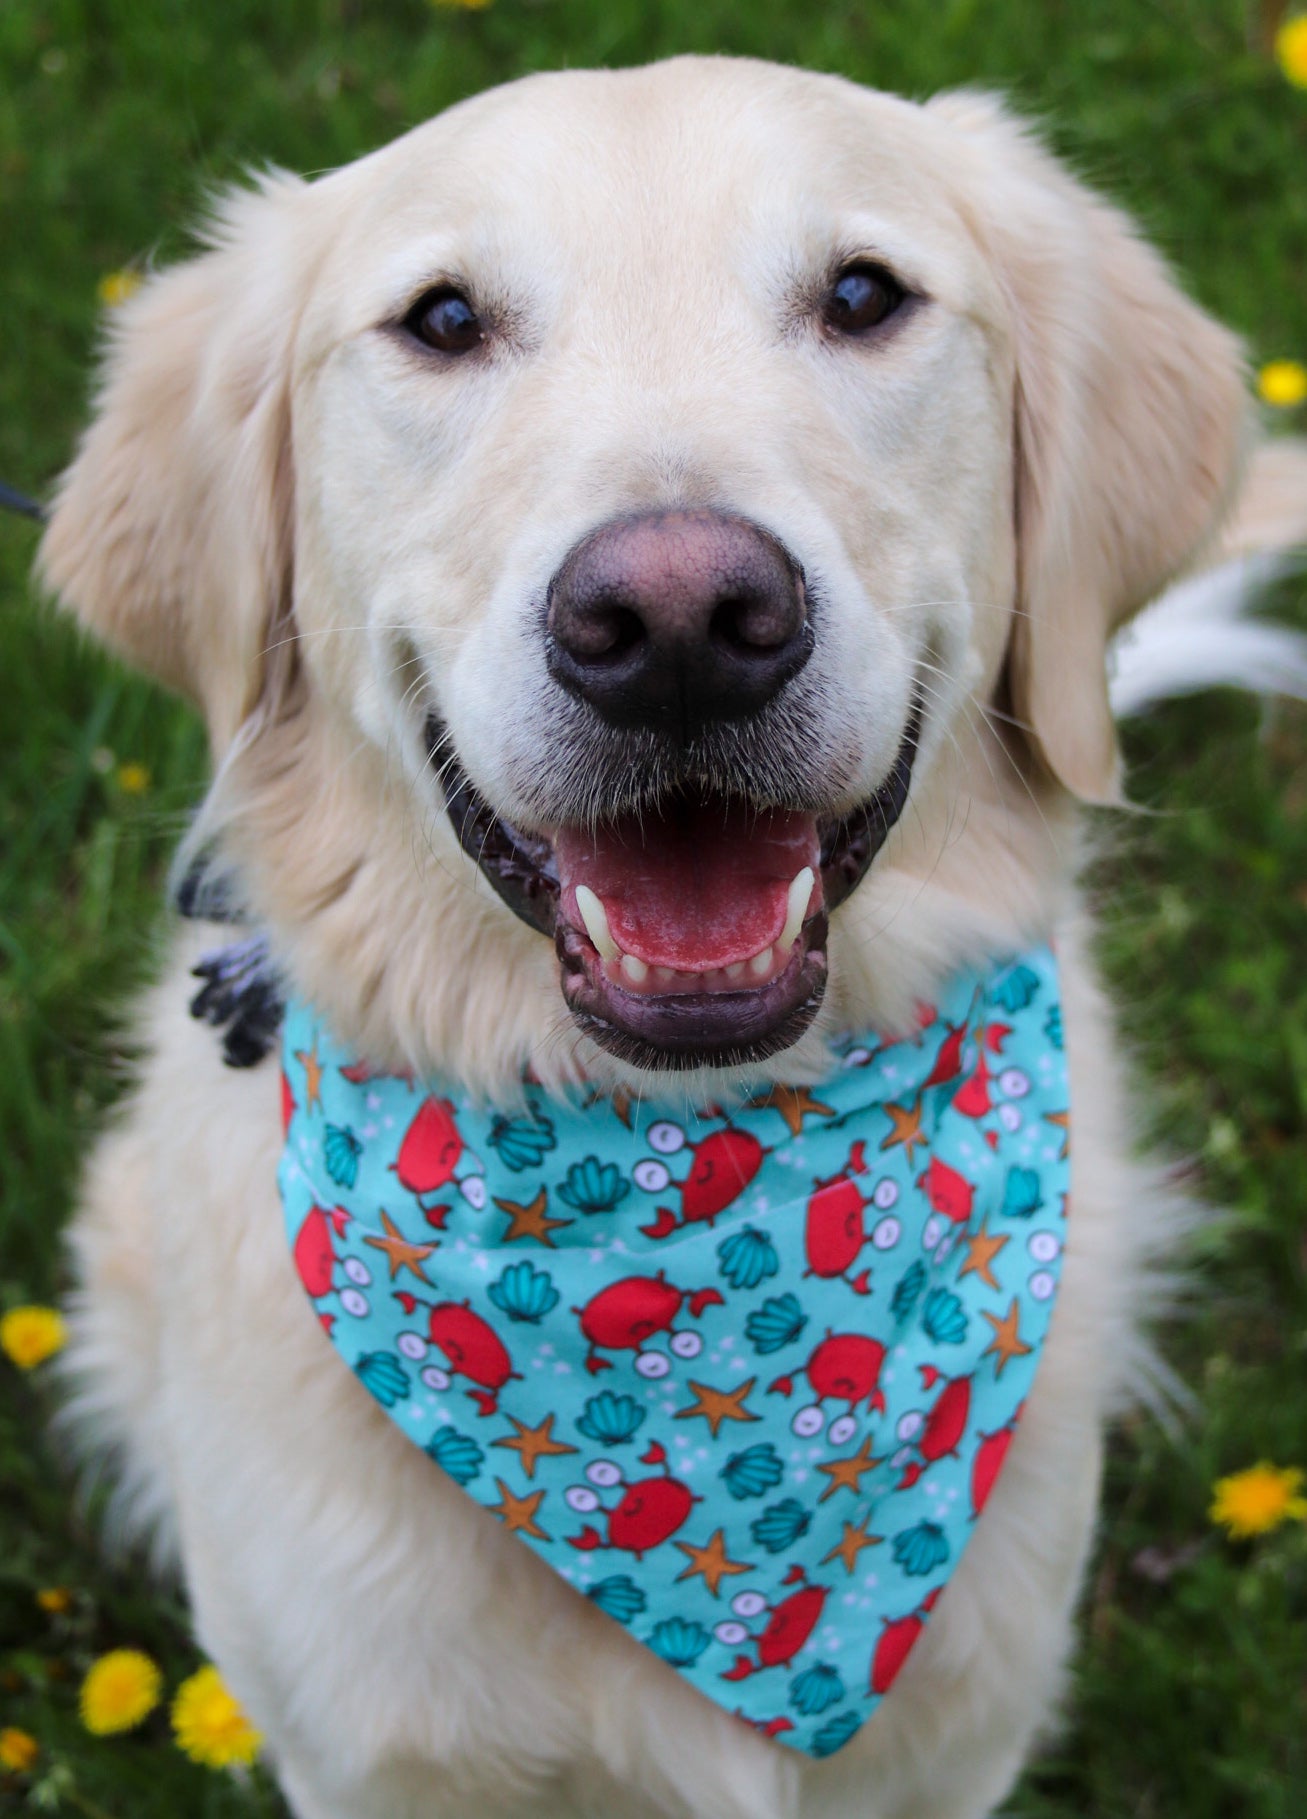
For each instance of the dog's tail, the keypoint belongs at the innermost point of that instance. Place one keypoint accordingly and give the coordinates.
(1197, 634)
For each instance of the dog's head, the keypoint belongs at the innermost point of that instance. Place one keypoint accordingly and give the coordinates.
(682, 499)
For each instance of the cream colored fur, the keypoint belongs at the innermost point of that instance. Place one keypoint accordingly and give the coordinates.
(321, 538)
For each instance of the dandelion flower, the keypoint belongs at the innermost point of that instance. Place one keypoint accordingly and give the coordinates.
(1291, 49)
(18, 1751)
(55, 1598)
(211, 1727)
(1258, 1500)
(133, 779)
(467, 6)
(1283, 383)
(121, 1689)
(30, 1335)
(116, 287)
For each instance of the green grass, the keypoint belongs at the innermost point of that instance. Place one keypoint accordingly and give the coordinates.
(115, 115)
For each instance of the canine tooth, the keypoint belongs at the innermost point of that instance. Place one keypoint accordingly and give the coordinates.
(736, 969)
(761, 964)
(636, 970)
(595, 917)
(796, 905)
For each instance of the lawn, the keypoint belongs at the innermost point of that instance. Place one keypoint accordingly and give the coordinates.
(1190, 1695)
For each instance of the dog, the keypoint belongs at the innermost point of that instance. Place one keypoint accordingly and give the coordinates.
(617, 478)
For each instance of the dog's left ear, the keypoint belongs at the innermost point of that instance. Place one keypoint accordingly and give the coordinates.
(170, 534)
(1131, 422)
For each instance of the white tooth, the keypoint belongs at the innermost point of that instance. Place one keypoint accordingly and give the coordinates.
(761, 964)
(664, 974)
(595, 917)
(636, 970)
(796, 907)
(736, 969)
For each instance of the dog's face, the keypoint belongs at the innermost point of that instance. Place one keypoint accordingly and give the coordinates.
(658, 479)
(671, 479)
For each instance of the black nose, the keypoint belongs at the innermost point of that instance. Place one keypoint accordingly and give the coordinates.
(670, 619)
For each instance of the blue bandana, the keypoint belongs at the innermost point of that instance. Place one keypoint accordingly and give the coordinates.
(743, 1377)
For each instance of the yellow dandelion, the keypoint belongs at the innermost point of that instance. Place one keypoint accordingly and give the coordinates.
(18, 1751)
(211, 1727)
(467, 6)
(1291, 49)
(1258, 1500)
(121, 1689)
(55, 1598)
(30, 1335)
(116, 287)
(1283, 383)
(133, 779)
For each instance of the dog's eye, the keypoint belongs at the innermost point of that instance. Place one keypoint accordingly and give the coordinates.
(861, 297)
(443, 319)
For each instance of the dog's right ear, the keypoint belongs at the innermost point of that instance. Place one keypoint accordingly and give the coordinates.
(170, 533)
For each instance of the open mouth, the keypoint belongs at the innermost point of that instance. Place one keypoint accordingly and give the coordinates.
(694, 931)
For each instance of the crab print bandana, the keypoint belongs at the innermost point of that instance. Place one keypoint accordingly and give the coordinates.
(743, 1375)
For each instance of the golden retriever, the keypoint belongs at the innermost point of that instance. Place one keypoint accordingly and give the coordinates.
(357, 475)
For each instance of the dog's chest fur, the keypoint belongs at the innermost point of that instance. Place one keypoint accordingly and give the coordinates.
(423, 1649)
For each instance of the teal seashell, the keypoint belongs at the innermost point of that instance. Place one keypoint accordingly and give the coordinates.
(456, 1453)
(1053, 1025)
(907, 1290)
(1016, 988)
(752, 1473)
(777, 1322)
(780, 1524)
(747, 1258)
(921, 1549)
(524, 1293)
(611, 1420)
(619, 1597)
(341, 1150)
(943, 1319)
(593, 1186)
(1021, 1197)
(679, 1642)
(815, 1690)
(835, 1733)
(384, 1375)
(522, 1142)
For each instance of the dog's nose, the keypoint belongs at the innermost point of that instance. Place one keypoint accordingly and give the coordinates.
(670, 619)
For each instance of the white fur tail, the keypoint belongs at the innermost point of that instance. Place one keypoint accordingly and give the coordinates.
(1197, 635)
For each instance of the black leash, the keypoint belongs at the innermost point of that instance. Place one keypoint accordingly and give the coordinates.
(13, 501)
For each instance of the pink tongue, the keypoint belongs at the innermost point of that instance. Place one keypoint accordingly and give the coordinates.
(697, 888)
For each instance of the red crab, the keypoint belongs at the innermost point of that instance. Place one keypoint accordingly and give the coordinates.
(972, 1097)
(948, 1192)
(945, 1425)
(770, 1727)
(431, 1148)
(948, 1062)
(650, 1512)
(314, 1254)
(624, 1315)
(896, 1643)
(835, 1232)
(788, 1627)
(474, 1350)
(988, 1463)
(724, 1165)
(846, 1367)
